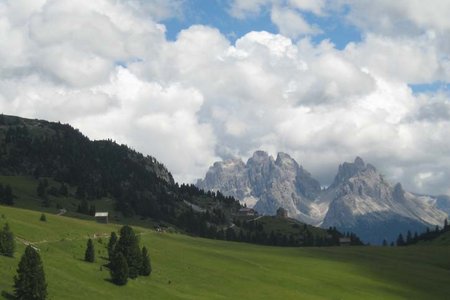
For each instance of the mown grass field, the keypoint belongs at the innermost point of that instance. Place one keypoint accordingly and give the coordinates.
(194, 268)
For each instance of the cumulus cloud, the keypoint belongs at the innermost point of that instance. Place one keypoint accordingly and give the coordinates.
(107, 67)
(286, 15)
(402, 16)
(290, 23)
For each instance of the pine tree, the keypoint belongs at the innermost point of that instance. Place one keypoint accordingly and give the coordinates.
(385, 243)
(112, 245)
(408, 238)
(92, 210)
(41, 189)
(128, 244)
(119, 269)
(2, 200)
(7, 243)
(400, 240)
(445, 224)
(43, 218)
(89, 255)
(29, 283)
(8, 197)
(63, 190)
(146, 268)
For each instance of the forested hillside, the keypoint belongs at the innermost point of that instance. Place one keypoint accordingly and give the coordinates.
(138, 184)
(53, 166)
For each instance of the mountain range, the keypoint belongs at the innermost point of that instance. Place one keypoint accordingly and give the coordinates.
(359, 199)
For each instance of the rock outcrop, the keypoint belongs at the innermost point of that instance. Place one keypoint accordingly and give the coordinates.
(359, 200)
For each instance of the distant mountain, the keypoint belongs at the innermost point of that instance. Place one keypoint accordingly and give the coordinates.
(51, 166)
(359, 199)
(443, 203)
(265, 184)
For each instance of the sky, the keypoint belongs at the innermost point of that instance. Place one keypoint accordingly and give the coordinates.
(191, 82)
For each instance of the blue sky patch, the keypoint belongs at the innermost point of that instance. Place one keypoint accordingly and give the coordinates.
(214, 13)
(430, 87)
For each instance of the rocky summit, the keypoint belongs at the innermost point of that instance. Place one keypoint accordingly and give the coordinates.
(359, 199)
(265, 183)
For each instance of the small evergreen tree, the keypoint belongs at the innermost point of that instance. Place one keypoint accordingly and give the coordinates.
(445, 224)
(385, 243)
(29, 283)
(43, 218)
(7, 243)
(89, 255)
(146, 268)
(112, 245)
(128, 244)
(400, 240)
(1, 193)
(92, 210)
(408, 238)
(41, 189)
(119, 269)
(8, 197)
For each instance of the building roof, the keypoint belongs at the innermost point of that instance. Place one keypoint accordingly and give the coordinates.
(101, 214)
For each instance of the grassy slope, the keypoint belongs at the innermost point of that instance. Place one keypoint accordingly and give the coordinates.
(442, 240)
(207, 269)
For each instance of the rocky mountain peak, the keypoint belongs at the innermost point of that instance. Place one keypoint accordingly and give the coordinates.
(259, 156)
(359, 162)
(359, 199)
(348, 170)
(285, 161)
(399, 192)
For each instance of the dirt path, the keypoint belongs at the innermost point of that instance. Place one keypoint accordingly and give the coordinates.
(93, 236)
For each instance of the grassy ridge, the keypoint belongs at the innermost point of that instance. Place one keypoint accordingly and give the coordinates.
(194, 268)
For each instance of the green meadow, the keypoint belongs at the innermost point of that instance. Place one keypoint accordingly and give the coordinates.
(193, 268)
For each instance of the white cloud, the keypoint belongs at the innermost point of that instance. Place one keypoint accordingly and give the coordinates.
(286, 15)
(291, 23)
(107, 68)
(401, 16)
(243, 8)
(314, 6)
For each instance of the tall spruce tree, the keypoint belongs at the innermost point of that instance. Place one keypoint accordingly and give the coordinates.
(146, 268)
(400, 240)
(112, 245)
(8, 197)
(29, 283)
(119, 269)
(128, 245)
(89, 255)
(7, 242)
(408, 238)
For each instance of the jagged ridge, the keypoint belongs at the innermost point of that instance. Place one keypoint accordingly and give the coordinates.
(358, 200)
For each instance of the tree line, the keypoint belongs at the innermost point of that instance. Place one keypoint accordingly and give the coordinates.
(138, 184)
(428, 235)
(6, 195)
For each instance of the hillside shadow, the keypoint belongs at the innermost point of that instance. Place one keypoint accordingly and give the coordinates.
(419, 271)
(8, 295)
